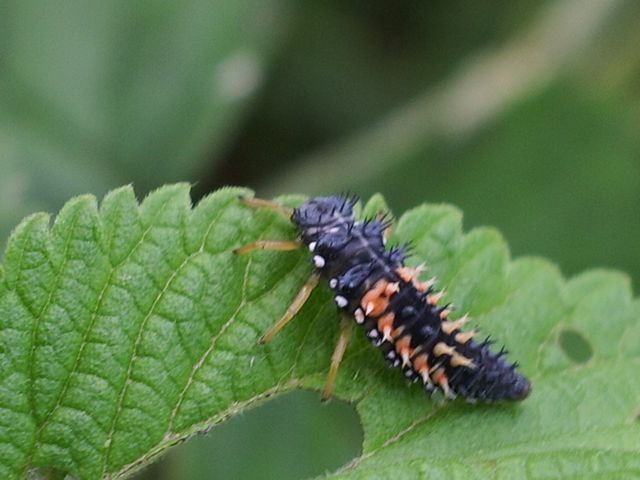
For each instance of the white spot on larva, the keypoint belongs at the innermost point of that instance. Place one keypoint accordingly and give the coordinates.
(396, 362)
(333, 283)
(391, 355)
(238, 76)
(408, 372)
(312, 246)
(318, 261)
(341, 301)
(359, 316)
(373, 333)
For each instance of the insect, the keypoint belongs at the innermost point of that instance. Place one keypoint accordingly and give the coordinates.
(399, 313)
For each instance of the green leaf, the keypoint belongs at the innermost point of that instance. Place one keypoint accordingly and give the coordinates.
(126, 328)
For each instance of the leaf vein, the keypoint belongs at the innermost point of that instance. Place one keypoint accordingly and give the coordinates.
(138, 340)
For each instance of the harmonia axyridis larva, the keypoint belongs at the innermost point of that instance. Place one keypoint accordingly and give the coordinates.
(399, 313)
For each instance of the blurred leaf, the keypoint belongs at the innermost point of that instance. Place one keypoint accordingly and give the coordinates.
(127, 329)
(558, 174)
(94, 94)
(350, 63)
(482, 87)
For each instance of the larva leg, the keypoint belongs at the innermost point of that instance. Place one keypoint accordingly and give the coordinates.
(260, 203)
(294, 308)
(336, 358)
(281, 245)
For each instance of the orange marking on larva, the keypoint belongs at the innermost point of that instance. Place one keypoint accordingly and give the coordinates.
(420, 364)
(458, 360)
(376, 300)
(434, 298)
(441, 379)
(397, 332)
(464, 337)
(445, 313)
(405, 273)
(442, 348)
(376, 290)
(448, 327)
(392, 288)
(416, 351)
(439, 375)
(368, 308)
(403, 342)
(410, 274)
(424, 286)
(385, 325)
(375, 308)
(403, 347)
(435, 367)
(451, 326)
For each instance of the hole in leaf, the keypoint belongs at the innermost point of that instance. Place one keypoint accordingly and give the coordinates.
(575, 345)
(290, 437)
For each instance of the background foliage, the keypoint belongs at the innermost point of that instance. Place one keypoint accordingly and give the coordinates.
(524, 114)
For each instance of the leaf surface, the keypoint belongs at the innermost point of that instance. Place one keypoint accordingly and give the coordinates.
(126, 328)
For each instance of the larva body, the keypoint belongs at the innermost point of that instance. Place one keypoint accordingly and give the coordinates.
(398, 312)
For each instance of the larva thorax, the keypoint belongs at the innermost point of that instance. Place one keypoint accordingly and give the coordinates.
(327, 226)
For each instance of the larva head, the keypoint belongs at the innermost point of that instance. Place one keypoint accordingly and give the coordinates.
(320, 214)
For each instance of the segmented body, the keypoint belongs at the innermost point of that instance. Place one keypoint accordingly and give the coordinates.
(399, 313)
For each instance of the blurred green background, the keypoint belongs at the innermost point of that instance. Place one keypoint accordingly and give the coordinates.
(523, 113)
